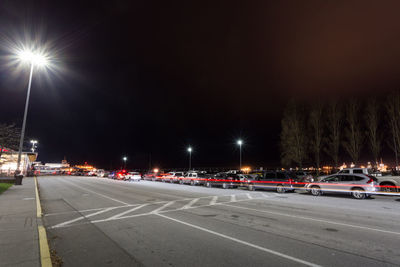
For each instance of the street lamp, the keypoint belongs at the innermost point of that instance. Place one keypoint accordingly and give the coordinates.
(34, 142)
(240, 143)
(190, 157)
(34, 59)
(124, 159)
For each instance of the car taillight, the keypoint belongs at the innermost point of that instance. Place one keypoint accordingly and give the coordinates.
(370, 180)
(290, 180)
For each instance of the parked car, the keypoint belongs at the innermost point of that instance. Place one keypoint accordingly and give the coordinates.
(193, 178)
(133, 176)
(118, 175)
(358, 185)
(149, 176)
(223, 179)
(281, 181)
(174, 177)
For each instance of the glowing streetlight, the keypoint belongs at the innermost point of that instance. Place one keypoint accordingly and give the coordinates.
(34, 146)
(240, 143)
(125, 159)
(34, 59)
(190, 157)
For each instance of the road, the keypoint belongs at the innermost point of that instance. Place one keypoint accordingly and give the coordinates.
(102, 222)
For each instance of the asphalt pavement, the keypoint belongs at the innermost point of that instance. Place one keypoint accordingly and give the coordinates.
(102, 222)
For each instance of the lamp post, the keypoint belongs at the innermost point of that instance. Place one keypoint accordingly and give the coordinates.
(34, 59)
(190, 157)
(240, 143)
(34, 142)
(124, 159)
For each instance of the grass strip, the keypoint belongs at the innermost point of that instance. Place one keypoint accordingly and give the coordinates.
(4, 187)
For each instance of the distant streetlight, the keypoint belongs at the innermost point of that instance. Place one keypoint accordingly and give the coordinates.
(190, 157)
(124, 159)
(34, 146)
(240, 143)
(34, 59)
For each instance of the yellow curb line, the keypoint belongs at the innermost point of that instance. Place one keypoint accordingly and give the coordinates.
(38, 206)
(45, 258)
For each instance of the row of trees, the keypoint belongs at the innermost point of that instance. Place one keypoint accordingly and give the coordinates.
(9, 137)
(328, 128)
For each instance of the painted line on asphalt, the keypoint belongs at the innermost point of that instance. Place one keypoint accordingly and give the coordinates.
(276, 253)
(88, 190)
(128, 211)
(214, 200)
(82, 217)
(163, 207)
(45, 259)
(38, 206)
(316, 220)
(191, 203)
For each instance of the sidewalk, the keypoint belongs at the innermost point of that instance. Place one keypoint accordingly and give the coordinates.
(19, 242)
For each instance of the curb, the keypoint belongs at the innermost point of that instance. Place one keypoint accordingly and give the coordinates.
(45, 258)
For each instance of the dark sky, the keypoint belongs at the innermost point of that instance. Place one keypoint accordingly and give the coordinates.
(151, 77)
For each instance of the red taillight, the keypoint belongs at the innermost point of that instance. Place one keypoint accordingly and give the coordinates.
(371, 179)
(290, 180)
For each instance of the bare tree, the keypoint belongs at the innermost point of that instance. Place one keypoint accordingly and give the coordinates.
(372, 124)
(316, 132)
(334, 125)
(353, 134)
(293, 135)
(393, 111)
(9, 136)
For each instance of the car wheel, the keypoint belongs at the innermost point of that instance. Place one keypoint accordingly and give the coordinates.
(251, 187)
(387, 187)
(192, 183)
(181, 181)
(208, 184)
(171, 181)
(316, 190)
(358, 193)
(280, 189)
(225, 186)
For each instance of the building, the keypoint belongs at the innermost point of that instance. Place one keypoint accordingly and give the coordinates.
(9, 161)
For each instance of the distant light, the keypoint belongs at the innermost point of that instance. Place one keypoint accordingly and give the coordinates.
(239, 142)
(34, 141)
(124, 158)
(33, 58)
(155, 170)
(189, 149)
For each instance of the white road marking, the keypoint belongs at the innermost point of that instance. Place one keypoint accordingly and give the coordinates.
(191, 203)
(276, 253)
(116, 200)
(249, 196)
(316, 220)
(128, 211)
(80, 218)
(233, 198)
(213, 200)
(163, 207)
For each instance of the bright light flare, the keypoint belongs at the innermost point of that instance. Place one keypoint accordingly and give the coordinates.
(37, 59)
(240, 142)
(189, 149)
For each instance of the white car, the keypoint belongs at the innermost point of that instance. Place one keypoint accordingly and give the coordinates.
(359, 186)
(133, 176)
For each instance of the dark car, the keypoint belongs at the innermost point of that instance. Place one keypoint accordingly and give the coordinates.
(224, 180)
(281, 181)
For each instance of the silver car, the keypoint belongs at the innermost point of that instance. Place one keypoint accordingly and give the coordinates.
(360, 186)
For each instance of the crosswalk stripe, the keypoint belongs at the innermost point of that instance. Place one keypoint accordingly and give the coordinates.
(82, 217)
(213, 200)
(162, 207)
(249, 196)
(190, 203)
(128, 211)
(233, 198)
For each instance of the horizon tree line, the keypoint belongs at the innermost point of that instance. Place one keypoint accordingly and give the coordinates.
(327, 129)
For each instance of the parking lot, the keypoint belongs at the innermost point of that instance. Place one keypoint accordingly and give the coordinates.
(99, 222)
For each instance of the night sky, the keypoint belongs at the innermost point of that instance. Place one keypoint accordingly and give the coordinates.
(141, 78)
